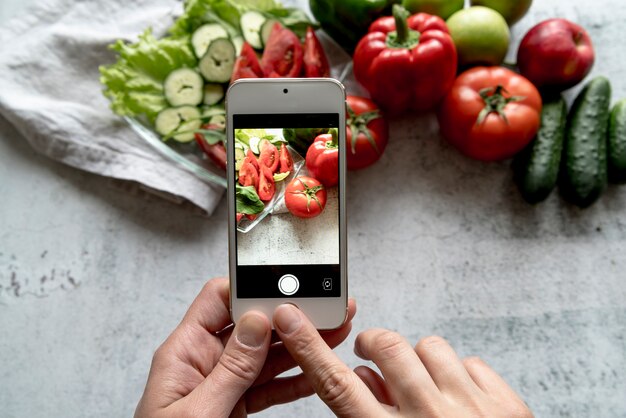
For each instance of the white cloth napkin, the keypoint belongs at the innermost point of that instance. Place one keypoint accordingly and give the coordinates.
(49, 89)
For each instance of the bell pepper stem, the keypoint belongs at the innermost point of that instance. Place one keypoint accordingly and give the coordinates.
(400, 14)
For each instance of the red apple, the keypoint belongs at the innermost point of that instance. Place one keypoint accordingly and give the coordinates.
(555, 55)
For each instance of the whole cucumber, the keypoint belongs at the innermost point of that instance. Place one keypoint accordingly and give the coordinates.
(584, 174)
(617, 143)
(536, 168)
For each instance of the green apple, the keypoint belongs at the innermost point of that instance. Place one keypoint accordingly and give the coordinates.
(441, 8)
(512, 10)
(480, 34)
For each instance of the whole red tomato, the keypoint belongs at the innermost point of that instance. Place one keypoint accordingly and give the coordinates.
(367, 133)
(406, 62)
(322, 159)
(491, 113)
(305, 197)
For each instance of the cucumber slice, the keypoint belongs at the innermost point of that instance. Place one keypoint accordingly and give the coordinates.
(219, 120)
(183, 119)
(209, 111)
(217, 64)
(266, 30)
(204, 35)
(254, 144)
(240, 154)
(183, 87)
(238, 42)
(213, 94)
(251, 23)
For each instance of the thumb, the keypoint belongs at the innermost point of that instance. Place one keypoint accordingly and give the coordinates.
(237, 368)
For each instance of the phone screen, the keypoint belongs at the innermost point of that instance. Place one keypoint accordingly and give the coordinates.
(287, 243)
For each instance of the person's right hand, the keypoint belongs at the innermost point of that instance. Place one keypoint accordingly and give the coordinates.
(426, 381)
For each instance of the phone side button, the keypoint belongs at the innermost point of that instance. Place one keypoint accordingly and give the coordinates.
(288, 284)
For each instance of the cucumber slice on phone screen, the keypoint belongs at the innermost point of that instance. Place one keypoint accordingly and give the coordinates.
(183, 87)
(204, 35)
(179, 123)
(216, 65)
(251, 23)
(213, 94)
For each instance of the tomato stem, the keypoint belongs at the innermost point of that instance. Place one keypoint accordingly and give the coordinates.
(310, 193)
(495, 102)
(358, 125)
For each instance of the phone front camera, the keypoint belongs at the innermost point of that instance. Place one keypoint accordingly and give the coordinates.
(285, 91)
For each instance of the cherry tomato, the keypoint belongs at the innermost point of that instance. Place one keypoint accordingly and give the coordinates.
(322, 159)
(367, 133)
(305, 197)
(269, 156)
(286, 162)
(248, 175)
(282, 56)
(315, 60)
(247, 64)
(267, 188)
(491, 113)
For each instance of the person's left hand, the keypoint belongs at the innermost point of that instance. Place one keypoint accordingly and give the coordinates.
(209, 368)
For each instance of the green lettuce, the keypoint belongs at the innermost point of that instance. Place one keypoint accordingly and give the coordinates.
(134, 84)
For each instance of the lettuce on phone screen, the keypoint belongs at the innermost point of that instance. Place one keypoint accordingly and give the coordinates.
(286, 170)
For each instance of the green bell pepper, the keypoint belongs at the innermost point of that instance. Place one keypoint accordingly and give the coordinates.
(347, 21)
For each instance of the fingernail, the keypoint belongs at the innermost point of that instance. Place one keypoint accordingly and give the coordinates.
(252, 330)
(287, 318)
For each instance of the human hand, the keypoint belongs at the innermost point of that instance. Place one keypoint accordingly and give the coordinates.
(427, 381)
(209, 368)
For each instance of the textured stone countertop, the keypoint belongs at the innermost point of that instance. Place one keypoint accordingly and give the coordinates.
(93, 277)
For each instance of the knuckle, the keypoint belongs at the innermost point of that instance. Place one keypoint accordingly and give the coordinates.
(337, 387)
(240, 364)
(472, 361)
(432, 342)
(389, 344)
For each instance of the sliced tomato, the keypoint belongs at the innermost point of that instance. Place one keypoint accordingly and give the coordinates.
(215, 152)
(315, 60)
(251, 217)
(251, 158)
(283, 54)
(239, 216)
(286, 162)
(269, 156)
(267, 188)
(247, 64)
(248, 175)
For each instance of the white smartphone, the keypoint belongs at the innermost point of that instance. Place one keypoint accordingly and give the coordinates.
(286, 246)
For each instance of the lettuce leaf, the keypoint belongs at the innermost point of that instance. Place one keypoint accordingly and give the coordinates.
(134, 84)
(247, 200)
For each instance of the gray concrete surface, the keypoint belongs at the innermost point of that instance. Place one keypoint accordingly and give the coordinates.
(93, 277)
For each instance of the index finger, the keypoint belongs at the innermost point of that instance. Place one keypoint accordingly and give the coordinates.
(335, 383)
(210, 309)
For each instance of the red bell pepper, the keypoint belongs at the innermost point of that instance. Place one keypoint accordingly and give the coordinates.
(322, 159)
(315, 60)
(406, 62)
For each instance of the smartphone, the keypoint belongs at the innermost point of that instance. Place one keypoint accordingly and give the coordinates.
(278, 254)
